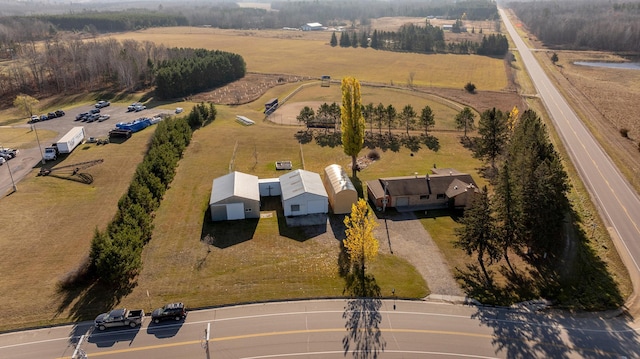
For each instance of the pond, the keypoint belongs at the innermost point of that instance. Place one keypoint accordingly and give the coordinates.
(611, 65)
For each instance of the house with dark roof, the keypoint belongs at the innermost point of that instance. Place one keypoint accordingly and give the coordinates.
(444, 188)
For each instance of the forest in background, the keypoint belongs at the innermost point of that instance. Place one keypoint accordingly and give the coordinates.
(584, 25)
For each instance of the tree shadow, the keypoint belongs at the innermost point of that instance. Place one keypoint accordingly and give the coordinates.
(525, 332)
(303, 136)
(332, 139)
(362, 318)
(412, 143)
(470, 143)
(87, 299)
(431, 142)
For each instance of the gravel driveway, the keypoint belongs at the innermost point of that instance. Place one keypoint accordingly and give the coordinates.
(402, 234)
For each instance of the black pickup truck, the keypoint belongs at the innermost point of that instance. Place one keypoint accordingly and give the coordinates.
(120, 318)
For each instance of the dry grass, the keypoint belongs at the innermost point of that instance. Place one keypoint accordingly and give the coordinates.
(52, 223)
(309, 54)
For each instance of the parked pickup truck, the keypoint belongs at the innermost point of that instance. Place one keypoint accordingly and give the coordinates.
(120, 318)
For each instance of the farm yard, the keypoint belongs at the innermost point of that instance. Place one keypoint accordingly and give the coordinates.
(203, 264)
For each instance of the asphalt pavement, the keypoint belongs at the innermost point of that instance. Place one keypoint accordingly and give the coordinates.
(30, 158)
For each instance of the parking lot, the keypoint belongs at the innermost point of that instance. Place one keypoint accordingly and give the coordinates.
(118, 113)
(28, 158)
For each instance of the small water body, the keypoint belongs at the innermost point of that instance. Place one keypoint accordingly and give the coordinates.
(611, 65)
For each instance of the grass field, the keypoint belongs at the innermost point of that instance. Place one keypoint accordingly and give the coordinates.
(309, 54)
(53, 220)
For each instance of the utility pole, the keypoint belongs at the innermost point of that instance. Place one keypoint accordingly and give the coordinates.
(39, 146)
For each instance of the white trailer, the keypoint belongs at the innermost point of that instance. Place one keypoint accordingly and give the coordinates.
(71, 140)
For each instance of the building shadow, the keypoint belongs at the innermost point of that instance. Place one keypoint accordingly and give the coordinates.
(224, 234)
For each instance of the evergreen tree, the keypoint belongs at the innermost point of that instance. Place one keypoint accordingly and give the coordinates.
(306, 116)
(374, 40)
(465, 120)
(364, 39)
(492, 128)
(334, 40)
(367, 112)
(478, 232)
(408, 116)
(427, 119)
(539, 185)
(390, 117)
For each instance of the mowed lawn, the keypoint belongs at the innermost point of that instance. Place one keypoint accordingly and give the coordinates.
(53, 220)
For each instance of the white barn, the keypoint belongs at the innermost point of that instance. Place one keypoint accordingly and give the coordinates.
(235, 196)
(303, 193)
(312, 26)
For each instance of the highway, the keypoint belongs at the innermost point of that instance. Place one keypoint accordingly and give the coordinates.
(338, 329)
(617, 201)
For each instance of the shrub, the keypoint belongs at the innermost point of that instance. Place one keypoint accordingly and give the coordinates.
(624, 132)
(471, 88)
(373, 155)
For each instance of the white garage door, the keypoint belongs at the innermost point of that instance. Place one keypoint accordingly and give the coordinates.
(235, 211)
(316, 206)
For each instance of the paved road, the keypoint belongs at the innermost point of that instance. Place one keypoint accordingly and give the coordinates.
(341, 329)
(617, 200)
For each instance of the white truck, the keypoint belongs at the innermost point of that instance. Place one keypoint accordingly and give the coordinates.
(71, 140)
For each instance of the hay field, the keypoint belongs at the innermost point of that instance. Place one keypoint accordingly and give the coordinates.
(309, 54)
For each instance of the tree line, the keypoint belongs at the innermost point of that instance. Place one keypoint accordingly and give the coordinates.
(327, 116)
(596, 25)
(524, 214)
(73, 65)
(421, 39)
(189, 71)
(116, 252)
(227, 15)
(111, 21)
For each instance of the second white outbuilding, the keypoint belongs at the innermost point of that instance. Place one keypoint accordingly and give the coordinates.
(303, 193)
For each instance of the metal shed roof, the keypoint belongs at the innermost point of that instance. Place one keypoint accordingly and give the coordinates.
(235, 184)
(298, 182)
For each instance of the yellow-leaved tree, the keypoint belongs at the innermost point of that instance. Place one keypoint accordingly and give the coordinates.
(360, 243)
(513, 119)
(353, 124)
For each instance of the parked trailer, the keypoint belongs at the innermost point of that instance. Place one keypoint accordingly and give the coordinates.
(135, 126)
(71, 140)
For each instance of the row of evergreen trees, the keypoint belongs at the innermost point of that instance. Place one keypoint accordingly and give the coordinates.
(190, 71)
(328, 116)
(525, 213)
(427, 39)
(116, 252)
(112, 21)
